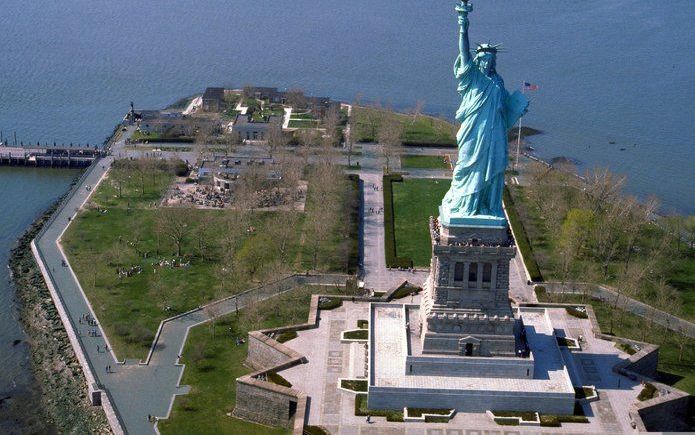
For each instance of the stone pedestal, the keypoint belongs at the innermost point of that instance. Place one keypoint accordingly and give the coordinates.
(465, 307)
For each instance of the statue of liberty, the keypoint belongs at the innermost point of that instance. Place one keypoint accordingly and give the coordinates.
(486, 113)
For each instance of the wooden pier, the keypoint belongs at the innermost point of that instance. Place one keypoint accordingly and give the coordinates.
(67, 156)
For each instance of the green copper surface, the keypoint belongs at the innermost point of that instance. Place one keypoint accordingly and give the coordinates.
(486, 113)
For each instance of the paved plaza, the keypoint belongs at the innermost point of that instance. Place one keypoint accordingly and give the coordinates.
(329, 360)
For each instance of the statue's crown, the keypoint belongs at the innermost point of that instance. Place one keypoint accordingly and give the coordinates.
(488, 48)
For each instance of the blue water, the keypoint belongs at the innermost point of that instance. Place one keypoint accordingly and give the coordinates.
(25, 194)
(618, 71)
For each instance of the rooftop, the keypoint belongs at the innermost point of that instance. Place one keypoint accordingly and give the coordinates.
(389, 341)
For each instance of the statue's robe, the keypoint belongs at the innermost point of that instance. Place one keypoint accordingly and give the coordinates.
(486, 113)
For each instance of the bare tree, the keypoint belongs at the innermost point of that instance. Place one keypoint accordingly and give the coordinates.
(276, 138)
(213, 311)
(417, 110)
(331, 122)
(389, 136)
(296, 98)
(119, 176)
(174, 223)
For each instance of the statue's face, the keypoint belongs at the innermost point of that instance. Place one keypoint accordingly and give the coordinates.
(487, 63)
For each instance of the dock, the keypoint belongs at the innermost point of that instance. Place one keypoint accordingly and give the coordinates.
(67, 156)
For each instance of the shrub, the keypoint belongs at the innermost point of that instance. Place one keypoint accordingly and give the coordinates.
(354, 384)
(329, 303)
(540, 292)
(434, 419)
(550, 421)
(354, 200)
(314, 430)
(524, 415)
(582, 393)
(577, 312)
(522, 239)
(363, 324)
(648, 392)
(286, 336)
(565, 342)
(392, 260)
(506, 422)
(417, 412)
(359, 334)
(404, 290)
(277, 379)
(362, 410)
(630, 350)
(180, 168)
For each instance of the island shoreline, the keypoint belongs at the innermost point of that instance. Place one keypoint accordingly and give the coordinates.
(62, 389)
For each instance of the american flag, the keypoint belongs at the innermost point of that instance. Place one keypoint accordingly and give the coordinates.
(530, 86)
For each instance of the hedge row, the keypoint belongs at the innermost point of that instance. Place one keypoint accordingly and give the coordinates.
(181, 139)
(277, 379)
(408, 143)
(362, 410)
(354, 202)
(392, 260)
(521, 238)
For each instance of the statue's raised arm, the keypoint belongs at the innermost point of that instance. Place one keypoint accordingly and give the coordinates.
(464, 45)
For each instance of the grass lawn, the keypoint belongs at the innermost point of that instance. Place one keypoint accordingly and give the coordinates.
(423, 162)
(223, 257)
(303, 123)
(680, 374)
(214, 363)
(414, 201)
(139, 136)
(420, 130)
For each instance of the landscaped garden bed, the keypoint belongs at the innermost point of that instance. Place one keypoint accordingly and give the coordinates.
(326, 303)
(286, 336)
(356, 385)
(578, 312)
(585, 393)
(648, 392)
(428, 415)
(515, 418)
(362, 410)
(569, 343)
(355, 334)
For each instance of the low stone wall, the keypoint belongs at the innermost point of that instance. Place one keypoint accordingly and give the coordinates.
(666, 413)
(644, 362)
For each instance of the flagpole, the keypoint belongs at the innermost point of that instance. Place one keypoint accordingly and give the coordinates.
(518, 136)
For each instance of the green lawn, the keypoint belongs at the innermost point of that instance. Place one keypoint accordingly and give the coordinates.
(421, 130)
(214, 363)
(423, 162)
(139, 136)
(415, 200)
(303, 123)
(223, 257)
(680, 374)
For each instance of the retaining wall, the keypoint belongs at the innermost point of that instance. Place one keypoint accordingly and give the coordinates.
(264, 402)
